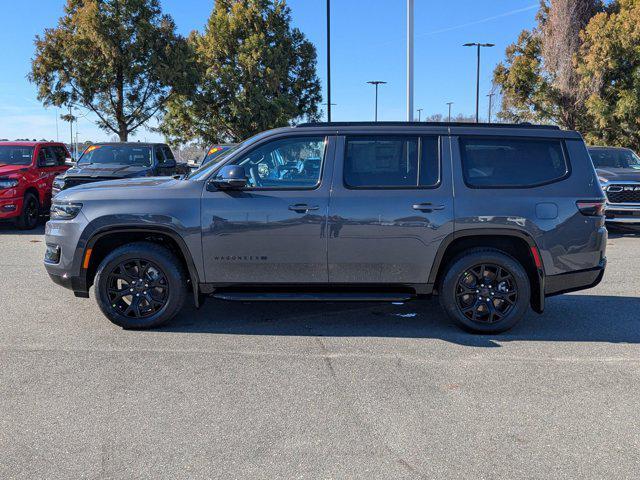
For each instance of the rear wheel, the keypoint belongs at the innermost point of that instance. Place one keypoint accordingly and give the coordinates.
(140, 285)
(28, 219)
(485, 291)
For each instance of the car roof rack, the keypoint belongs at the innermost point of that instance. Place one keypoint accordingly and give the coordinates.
(427, 124)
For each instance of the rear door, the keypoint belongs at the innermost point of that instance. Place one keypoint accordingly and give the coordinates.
(391, 207)
(274, 230)
(51, 163)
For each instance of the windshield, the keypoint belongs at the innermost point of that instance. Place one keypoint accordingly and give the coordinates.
(207, 163)
(215, 152)
(13, 155)
(614, 158)
(117, 154)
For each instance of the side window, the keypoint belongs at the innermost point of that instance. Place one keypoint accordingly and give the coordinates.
(46, 157)
(392, 162)
(159, 154)
(512, 162)
(59, 154)
(168, 154)
(294, 162)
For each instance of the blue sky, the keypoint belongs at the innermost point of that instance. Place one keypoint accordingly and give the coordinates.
(368, 43)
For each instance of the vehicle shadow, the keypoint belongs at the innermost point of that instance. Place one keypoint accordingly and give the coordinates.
(8, 228)
(568, 318)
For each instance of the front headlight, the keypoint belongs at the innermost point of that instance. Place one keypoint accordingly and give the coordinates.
(8, 183)
(65, 211)
(58, 183)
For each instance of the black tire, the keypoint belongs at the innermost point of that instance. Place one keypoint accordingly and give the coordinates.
(155, 300)
(30, 215)
(476, 299)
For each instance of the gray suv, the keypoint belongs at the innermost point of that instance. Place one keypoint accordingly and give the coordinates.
(491, 218)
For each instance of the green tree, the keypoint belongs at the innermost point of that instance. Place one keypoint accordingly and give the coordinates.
(539, 79)
(255, 73)
(609, 64)
(121, 59)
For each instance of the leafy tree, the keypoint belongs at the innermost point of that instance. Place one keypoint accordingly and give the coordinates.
(121, 59)
(609, 64)
(539, 78)
(255, 73)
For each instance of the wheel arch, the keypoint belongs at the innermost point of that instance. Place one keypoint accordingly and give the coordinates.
(105, 239)
(516, 243)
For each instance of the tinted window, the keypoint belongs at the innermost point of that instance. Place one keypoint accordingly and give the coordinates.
(168, 154)
(289, 163)
(46, 157)
(614, 158)
(116, 154)
(15, 155)
(388, 162)
(60, 155)
(509, 162)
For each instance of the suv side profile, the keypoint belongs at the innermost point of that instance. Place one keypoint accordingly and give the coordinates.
(27, 170)
(491, 218)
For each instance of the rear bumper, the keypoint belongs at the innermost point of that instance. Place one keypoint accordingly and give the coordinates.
(574, 281)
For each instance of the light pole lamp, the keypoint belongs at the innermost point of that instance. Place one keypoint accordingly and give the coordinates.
(376, 83)
(479, 46)
(449, 104)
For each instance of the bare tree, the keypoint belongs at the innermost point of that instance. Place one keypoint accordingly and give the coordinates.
(561, 24)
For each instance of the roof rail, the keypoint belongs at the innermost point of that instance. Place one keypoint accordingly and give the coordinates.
(427, 124)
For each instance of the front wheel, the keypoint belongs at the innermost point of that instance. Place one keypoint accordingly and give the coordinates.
(485, 291)
(28, 219)
(140, 285)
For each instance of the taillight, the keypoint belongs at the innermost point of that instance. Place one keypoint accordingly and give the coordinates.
(591, 208)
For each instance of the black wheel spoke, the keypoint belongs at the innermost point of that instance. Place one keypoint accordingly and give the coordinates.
(137, 288)
(486, 293)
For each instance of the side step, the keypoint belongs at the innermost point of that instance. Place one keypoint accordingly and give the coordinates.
(313, 297)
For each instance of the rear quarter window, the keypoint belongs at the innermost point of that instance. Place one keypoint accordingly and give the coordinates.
(512, 162)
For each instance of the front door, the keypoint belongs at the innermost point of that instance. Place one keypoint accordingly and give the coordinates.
(390, 208)
(272, 231)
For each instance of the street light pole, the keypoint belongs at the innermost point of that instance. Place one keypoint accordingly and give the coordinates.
(490, 104)
(329, 60)
(376, 83)
(410, 60)
(420, 114)
(479, 46)
(449, 103)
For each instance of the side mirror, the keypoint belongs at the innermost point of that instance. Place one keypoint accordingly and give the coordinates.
(230, 177)
(168, 163)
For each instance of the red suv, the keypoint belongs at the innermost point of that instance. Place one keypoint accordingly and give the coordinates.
(27, 170)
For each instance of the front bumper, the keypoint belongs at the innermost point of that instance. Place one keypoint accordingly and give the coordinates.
(10, 207)
(622, 213)
(574, 281)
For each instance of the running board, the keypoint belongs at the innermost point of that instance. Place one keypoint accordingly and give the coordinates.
(313, 297)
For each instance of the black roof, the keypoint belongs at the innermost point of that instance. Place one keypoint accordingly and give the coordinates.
(428, 124)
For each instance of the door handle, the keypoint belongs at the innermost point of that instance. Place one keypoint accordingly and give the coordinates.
(302, 207)
(427, 207)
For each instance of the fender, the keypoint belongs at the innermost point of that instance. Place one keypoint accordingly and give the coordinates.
(174, 235)
(538, 305)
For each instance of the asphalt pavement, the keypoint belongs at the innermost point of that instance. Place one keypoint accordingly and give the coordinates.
(316, 391)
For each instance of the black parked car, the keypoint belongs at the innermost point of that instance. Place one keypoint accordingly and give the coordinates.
(112, 161)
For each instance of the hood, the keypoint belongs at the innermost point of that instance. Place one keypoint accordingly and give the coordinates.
(132, 188)
(619, 174)
(12, 169)
(107, 170)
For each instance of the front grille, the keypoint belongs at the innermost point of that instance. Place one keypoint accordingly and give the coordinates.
(75, 181)
(623, 193)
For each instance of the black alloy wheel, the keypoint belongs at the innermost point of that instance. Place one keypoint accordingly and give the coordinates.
(486, 293)
(28, 219)
(485, 290)
(137, 288)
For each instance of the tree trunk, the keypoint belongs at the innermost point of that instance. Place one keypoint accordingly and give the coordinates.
(123, 132)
